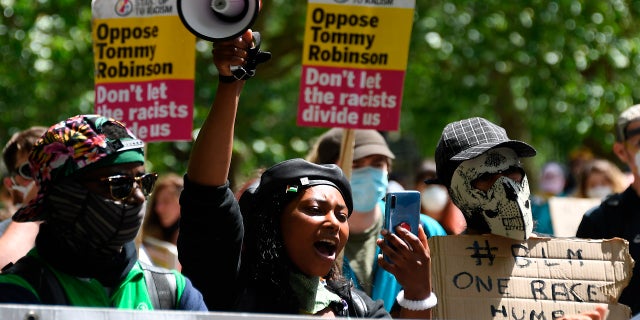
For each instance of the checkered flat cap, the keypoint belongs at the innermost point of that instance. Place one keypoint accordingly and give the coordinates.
(466, 139)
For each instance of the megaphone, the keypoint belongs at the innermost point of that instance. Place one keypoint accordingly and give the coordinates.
(218, 19)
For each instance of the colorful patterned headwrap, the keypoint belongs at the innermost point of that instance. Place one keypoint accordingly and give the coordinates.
(74, 145)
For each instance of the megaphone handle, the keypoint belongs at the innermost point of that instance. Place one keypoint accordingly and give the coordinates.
(239, 72)
(254, 57)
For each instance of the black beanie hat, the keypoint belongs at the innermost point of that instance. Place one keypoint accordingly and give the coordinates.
(295, 175)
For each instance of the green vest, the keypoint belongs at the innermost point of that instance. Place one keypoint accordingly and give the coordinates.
(131, 293)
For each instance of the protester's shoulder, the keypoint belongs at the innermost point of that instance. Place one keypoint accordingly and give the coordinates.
(431, 226)
(191, 298)
(151, 269)
(192, 188)
(196, 198)
(605, 219)
(11, 292)
(16, 289)
(612, 203)
(367, 307)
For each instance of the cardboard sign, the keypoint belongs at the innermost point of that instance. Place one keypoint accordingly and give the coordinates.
(353, 65)
(144, 67)
(493, 277)
(567, 212)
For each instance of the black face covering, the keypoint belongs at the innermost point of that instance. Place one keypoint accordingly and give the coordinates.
(86, 222)
(87, 235)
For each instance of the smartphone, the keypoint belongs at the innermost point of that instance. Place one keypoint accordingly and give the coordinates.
(402, 208)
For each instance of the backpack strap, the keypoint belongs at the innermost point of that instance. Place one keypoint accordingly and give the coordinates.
(161, 285)
(40, 278)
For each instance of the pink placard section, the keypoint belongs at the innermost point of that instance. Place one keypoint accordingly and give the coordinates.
(350, 98)
(153, 110)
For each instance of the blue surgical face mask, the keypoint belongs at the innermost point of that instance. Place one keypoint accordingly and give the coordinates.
(368, 186)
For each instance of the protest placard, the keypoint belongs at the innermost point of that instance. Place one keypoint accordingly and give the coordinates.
(493, 277)
(353, 65)
(566, 213)
(144, 67)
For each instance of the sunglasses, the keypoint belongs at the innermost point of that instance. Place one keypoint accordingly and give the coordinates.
(121, 186)
(24, 170)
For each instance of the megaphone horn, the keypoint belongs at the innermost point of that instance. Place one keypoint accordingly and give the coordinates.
(218, 19)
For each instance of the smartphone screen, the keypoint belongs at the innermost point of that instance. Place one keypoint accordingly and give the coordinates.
(402, 208)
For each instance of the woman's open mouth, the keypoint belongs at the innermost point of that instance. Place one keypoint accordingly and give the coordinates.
(326, 248)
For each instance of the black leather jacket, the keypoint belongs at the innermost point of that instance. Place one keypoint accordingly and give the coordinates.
(360, 305)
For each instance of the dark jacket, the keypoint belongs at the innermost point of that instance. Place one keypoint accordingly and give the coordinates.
(209, 246)
(618, 216)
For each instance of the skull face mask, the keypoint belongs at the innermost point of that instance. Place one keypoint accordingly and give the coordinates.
(505, 206)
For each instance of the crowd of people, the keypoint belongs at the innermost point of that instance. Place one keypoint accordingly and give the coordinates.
(302, 238)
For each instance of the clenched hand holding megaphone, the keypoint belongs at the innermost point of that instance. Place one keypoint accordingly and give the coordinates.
(216, 20)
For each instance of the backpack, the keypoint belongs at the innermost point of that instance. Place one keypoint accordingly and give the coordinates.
(161, 283)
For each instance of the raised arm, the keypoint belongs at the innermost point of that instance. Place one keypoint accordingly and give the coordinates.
(211, 153)
(211, 229)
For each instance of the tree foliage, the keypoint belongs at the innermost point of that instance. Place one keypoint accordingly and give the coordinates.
(553, 73)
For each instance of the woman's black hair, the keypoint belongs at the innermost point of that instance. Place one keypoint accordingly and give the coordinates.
(265, 265)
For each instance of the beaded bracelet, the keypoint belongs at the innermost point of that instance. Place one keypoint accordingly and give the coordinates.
(417, 305)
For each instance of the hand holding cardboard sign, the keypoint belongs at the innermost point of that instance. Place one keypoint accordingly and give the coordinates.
(597, 314)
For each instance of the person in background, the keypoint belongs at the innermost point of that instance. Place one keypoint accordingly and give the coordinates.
(618, 214)
(553, 179)
(162, 220)
(15, 155)
(18, 238)
(577, 159)
(158, 238)
(600, 178)
(435, 200)
(280, 254)
(369, 183)
(91, 201)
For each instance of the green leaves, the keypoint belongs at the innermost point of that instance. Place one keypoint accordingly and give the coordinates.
(555, 74)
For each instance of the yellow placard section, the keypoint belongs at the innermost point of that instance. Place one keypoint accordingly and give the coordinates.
(142, 49)
(357, 36)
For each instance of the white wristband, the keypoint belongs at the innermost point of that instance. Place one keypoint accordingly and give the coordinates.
(417, 305)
